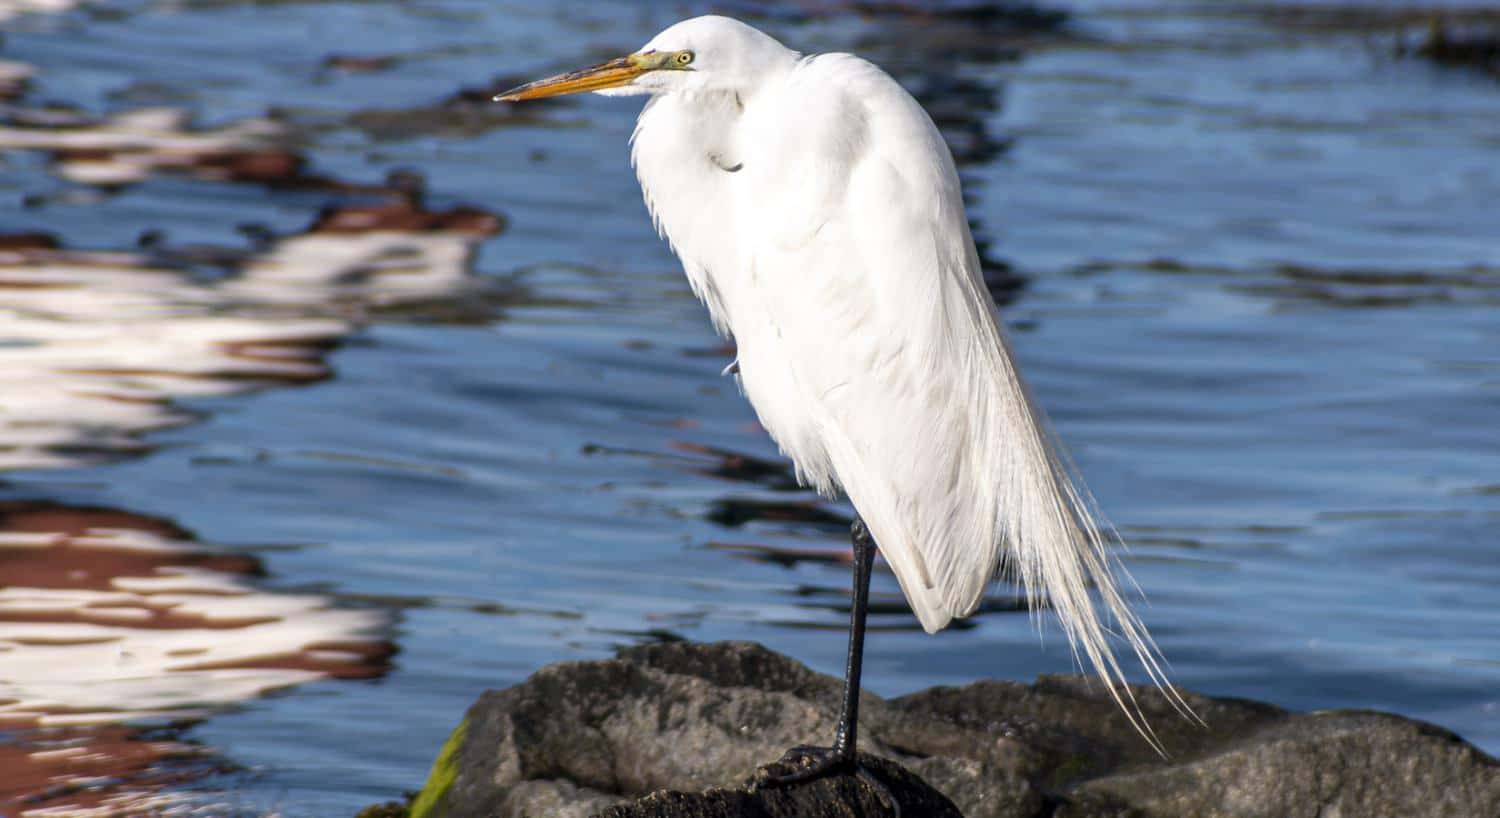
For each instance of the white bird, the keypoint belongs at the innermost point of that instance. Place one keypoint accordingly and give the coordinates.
(817, 213)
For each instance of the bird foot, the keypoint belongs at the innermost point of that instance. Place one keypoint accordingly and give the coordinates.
(811, 763)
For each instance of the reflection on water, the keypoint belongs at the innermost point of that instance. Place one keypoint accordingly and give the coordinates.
(118, 631)
(14, 8)
(96, 346)
(130, 146)
(110, 619)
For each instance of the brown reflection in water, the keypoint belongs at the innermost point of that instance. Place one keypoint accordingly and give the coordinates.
(119, 631)
(14, 78)
(131, 146)
(94, 771)
(98, 346)
(109, 620)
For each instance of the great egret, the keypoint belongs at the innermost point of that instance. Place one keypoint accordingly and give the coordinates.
(817, 213)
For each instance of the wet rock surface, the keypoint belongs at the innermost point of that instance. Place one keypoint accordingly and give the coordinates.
(843, 795)
(681, 729)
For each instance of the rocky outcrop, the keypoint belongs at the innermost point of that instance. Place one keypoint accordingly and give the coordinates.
(681, 729)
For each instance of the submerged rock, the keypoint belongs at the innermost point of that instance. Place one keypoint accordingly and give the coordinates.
(680, 729)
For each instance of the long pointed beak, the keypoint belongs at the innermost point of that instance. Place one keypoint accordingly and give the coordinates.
(611, 74)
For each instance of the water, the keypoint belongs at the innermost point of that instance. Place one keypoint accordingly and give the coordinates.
(1252, 265)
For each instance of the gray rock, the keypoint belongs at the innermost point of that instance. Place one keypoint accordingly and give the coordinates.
(680, 729)
(834, 796)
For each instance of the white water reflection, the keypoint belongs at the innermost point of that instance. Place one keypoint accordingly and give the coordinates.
(96, 346)
(131, 145)
(109, 619)
(16, 8)
(108, 616)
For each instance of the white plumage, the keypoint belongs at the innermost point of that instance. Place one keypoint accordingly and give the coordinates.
(817, 212)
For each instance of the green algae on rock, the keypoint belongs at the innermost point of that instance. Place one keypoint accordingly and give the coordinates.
(431, 801)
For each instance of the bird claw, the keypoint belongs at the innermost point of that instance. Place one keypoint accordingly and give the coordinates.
(812, 763)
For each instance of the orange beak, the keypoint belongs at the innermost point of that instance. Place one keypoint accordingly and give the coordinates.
(612, 74)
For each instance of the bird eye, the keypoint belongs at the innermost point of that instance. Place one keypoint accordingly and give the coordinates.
(684, 57)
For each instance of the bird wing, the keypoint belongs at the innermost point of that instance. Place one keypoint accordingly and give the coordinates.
(859, 263)
(870, 348)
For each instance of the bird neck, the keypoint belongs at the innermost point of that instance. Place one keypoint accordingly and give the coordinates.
(687, 155)
(694, 127)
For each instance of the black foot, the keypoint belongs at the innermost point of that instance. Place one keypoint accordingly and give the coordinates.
(811, 763)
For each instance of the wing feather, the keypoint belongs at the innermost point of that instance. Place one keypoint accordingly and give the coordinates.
(870, 348)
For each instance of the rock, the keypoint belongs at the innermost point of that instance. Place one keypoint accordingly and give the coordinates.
(680, 729)
(1322, 764)
(837, 796)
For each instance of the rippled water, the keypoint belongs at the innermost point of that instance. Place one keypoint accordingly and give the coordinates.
(1251, 261)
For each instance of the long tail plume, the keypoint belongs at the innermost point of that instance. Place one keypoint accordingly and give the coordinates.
(1057, 549)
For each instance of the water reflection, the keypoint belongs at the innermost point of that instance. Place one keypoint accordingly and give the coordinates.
(1290, 286)
(97, 346)
(15, 8)
(130, 146)
(111, 620)
(118, 631)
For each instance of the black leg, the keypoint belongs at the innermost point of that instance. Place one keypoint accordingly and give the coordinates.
(841, 757)
(864, 559)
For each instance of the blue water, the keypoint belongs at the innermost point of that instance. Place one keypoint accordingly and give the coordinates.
(1261, 262)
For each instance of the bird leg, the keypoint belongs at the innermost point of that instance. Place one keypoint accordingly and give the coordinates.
(817, 762)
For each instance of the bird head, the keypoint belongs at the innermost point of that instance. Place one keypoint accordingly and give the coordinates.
(709, 53)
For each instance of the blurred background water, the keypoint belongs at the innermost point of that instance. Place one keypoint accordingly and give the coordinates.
(275, 277)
